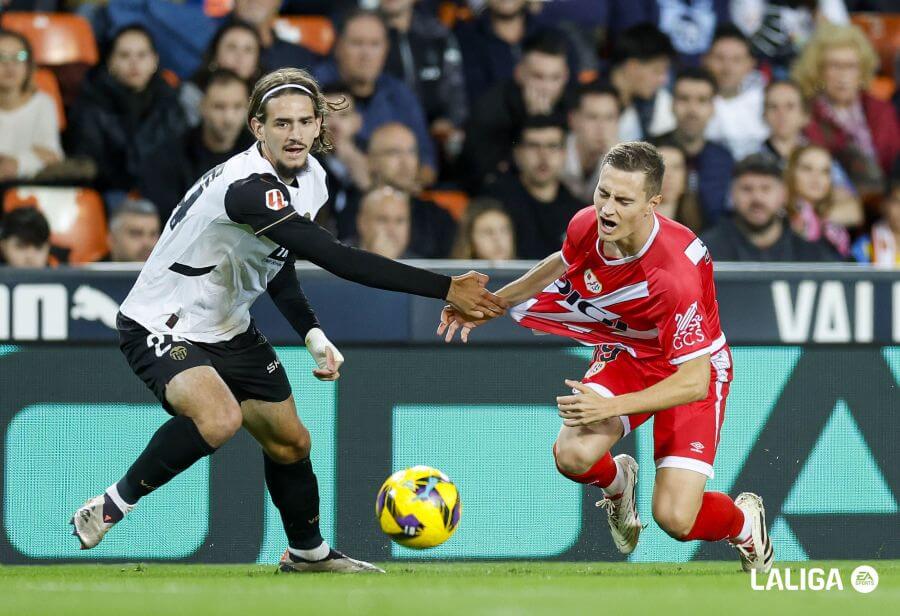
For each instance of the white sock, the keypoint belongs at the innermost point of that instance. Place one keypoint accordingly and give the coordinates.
(745, 530)
(314, 554)
(618, 484)
(113, 493)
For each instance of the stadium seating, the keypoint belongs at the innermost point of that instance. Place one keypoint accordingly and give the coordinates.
(76, 216)
(454, 201)
(314, 32)
(57, 38)
(45, 81)
(883, 31)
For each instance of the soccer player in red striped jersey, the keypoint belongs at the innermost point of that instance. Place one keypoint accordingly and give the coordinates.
(639, 288)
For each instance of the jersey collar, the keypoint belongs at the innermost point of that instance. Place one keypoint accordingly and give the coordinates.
(635, 256)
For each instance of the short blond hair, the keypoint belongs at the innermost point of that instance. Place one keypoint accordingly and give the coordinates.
(322, 107)
(807, 69)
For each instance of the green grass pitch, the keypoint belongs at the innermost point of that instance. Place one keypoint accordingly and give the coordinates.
(460, 589)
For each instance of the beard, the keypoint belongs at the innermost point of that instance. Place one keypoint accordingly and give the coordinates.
(758, 227)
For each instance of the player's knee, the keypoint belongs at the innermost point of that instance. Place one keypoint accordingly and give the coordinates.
(677, 523)
(572, 459)
(291, 450)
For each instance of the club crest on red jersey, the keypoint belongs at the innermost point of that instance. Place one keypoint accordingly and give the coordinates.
(275, 200)
(591, 283)
(688, 330)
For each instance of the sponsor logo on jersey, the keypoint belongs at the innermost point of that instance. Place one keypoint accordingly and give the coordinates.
(275, 200)
(688, 330)
(178, 353)
(591, 283)
(697, 447)
(272, 367)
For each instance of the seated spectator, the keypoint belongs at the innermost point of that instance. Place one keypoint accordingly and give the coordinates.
(811, 207)
(125, 112)
(133, 231)
(758, 231)
(29, 131)
(24, 238)
(537, 88)
(709, 163)
(425, 55)
(679, 203)
(383, 223)
(179, 162)
(360, 52)
(881, 247)
(738, 119)
(235, 47)
(535, 198)
(393, 161)
(594, 126)
(346, 166)
(276, 52)
(639, 69)
(860, 131)
(486, 232)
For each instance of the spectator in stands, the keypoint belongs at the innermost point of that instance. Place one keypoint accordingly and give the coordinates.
(709, 163)
(174, 167)
(882, 246)
(594, 126)
(425, 55)
(758, 231)
(639, 69)
(133, 231)
(276, 52)
(29, 130)
(24, 238)
(535, 198)
(861, 132)
(358, 66)
(125, 113)
(347, 165)
(236, 47)
(394, 162)
(678, 202)
(537, 88)
(486, 232)
(811, 206)
(490, 44)
(738, 119)
(383, 223)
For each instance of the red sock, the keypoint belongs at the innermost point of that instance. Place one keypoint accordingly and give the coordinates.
(719, 518)
(601, 474)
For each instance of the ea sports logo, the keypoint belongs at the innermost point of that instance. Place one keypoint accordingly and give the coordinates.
(864, 579)
(275, 200)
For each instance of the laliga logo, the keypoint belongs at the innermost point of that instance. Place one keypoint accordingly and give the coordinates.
(864, 579)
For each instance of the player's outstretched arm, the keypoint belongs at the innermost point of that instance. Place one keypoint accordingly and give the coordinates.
(526, 286)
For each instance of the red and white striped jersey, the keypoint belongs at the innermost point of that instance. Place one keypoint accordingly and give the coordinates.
(658, 304)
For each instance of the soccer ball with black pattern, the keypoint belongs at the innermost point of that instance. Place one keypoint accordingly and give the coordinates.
(418, 507)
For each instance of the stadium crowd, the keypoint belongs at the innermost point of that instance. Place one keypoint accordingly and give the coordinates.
(472, 129)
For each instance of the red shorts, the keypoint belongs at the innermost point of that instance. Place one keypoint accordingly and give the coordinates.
(685, 436)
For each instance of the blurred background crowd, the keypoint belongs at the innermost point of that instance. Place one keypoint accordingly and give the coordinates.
(475, 128)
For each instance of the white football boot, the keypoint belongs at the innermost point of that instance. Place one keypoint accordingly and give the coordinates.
(89, 523)
(622, 515)
(757, 553)
(335, 562)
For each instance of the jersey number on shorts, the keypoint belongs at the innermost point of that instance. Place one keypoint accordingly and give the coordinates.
(162, 344)
(182, 208)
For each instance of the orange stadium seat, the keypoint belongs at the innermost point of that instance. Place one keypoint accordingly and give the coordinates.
(57, 38)
(314, 32)
(45, 81)
(454, 201)
(883, 30)
(76, 216)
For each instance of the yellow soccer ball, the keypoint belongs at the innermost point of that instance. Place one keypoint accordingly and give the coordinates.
(418, 507)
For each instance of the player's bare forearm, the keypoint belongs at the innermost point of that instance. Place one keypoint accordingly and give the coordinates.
(687, 384)
(534, 280)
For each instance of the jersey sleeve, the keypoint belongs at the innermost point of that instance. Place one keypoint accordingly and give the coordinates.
(684, 329)
(259, 201)
(577, 234)
(285, 291)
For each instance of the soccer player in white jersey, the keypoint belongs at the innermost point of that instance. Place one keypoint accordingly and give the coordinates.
(639, 288)
(186, 330)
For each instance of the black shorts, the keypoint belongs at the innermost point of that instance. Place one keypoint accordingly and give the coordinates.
(247, 363)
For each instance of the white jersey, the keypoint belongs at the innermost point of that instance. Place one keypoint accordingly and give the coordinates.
(207, 269)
